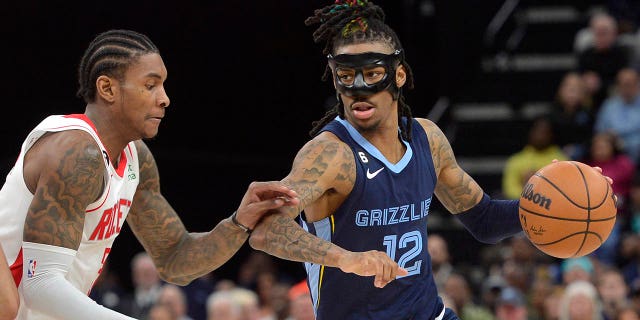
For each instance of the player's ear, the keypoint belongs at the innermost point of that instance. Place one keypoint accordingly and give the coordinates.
(401, 76)
(106, 88)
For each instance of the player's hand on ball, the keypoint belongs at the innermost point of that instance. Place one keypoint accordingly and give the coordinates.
(262, 197)
(372, 263)
(615, 197)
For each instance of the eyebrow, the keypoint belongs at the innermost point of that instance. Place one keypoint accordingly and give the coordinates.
(154, 75)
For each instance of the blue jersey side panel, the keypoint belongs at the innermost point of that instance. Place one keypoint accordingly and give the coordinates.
(387, 210)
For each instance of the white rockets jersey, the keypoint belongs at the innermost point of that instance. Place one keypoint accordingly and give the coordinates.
(103, 220)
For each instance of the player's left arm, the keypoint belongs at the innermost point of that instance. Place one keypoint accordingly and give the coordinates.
(180, 256)
(488, 220)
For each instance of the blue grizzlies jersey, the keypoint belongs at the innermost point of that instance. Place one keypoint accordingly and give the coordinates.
(387, 210)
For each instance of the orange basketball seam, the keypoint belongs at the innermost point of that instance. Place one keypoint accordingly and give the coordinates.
(586, 232)
(586, 186)
(565, 219)
(569, 199)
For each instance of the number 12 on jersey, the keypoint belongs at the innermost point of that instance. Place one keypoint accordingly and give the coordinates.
(406, 261)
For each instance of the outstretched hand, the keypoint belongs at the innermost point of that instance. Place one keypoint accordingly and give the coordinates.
(372, 263)
(262, 197)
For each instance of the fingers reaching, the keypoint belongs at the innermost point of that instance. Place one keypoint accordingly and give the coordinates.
(373, 263)
(274, 190)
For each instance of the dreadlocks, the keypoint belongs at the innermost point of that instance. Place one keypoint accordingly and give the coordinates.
(353, 22)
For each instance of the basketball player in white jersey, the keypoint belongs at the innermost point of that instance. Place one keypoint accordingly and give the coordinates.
(78, 177)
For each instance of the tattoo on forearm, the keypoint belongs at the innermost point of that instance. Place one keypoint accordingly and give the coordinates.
(163, 234)
(287, 240)
(456, 190)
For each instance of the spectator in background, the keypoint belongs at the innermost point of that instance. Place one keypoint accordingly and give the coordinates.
(248, 302)
(107, 289)
(552, 305)
(457, 288)
(613, 291)
(572, 116)
(577, 269)
(603, 58)
(580, 301)
(540, 150)
(541, 289)
(440, 263)
(511, 305)
(490, 290)
(161, 312)
(633, 205)
(627, 313)
(221, 305)
(146, 287)
(173, 297)
(620, 113)
(631, 268)
(607, 152)
(196, 293)
(300, 303)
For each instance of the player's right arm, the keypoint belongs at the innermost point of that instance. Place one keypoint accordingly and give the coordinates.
(322, 171)
(64, 171)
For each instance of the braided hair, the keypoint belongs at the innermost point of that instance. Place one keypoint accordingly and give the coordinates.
(353, 22)
(110, 53)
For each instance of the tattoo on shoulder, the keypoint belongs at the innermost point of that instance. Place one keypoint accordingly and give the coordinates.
(441, 151)
(320, 166)
(56, 214)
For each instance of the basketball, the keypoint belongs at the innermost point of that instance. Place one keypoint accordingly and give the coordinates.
(567, 209)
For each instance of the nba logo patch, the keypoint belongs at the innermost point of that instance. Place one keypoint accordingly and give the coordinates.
(31, 271)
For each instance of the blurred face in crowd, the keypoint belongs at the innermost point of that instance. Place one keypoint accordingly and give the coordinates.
(437, 248)
(611, 287)
(628, 86)
(581, 308)
(571, 92)
(541, 134)
(602, 147)
(604, 30)
(457, 288)
(628, 314)
(145, 274)
(161, 312)
(301, 308)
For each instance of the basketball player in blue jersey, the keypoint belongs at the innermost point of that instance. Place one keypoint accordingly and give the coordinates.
(367, 178)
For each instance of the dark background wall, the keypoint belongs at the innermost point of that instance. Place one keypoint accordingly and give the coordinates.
(244, 81)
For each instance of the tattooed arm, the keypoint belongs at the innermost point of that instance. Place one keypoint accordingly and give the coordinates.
(488, 220)
(64, 171)
(181, 256)
(63, 184)
(455, 189)
(323, 174)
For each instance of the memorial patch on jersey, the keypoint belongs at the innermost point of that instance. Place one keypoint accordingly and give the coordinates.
(31, 270)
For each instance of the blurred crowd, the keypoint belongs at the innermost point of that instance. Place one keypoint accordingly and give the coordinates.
(260, 292)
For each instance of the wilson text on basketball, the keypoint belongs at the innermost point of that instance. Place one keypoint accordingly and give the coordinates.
(539, 199)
